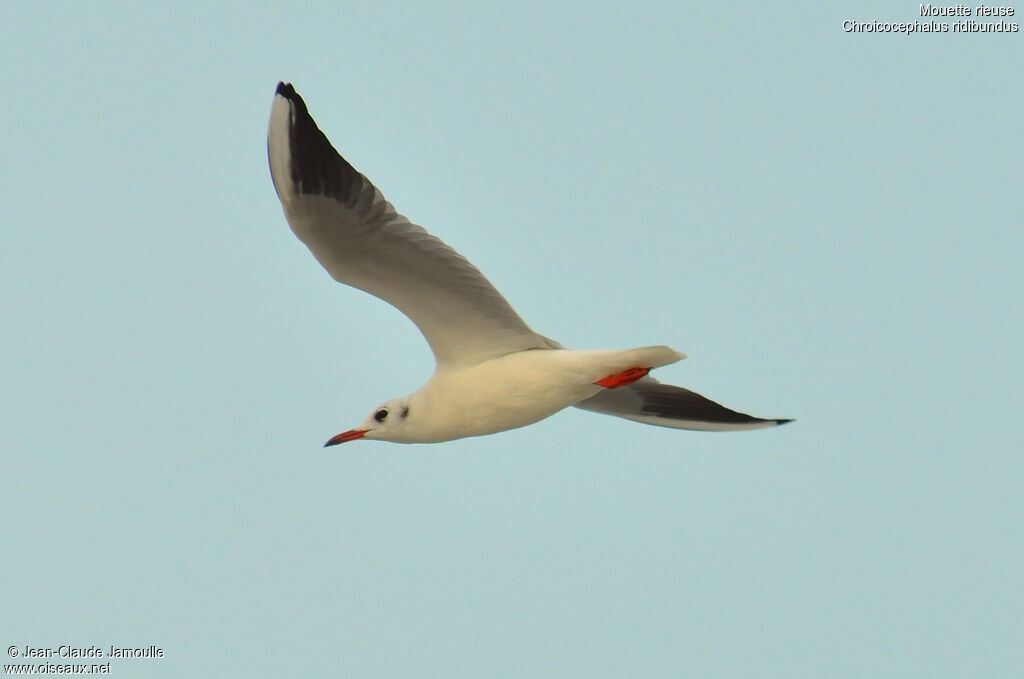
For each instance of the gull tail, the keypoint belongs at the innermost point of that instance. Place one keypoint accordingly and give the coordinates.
(651, 402)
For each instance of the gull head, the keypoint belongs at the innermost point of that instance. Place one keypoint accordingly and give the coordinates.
(388, 422)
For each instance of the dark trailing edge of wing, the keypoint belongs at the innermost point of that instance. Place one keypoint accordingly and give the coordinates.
(652, 402)
(677, 403)
(316, 167)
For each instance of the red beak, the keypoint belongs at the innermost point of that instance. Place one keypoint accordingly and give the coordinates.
(350, 435)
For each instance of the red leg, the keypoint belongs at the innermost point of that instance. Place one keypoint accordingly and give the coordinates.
(622, 379)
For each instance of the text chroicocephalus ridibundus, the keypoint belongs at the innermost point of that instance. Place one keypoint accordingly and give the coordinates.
(493, 372)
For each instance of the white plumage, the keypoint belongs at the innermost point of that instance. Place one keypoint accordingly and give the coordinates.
(493, 371)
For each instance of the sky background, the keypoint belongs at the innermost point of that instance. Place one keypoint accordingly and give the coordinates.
(828, 224)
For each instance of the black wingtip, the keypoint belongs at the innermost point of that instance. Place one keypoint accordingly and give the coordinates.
(781, 422)
(316, 168)
(286, 90)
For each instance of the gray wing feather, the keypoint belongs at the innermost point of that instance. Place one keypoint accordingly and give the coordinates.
(359, 238)
(651, 402)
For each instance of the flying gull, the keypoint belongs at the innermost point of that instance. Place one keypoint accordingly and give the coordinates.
(493, 372)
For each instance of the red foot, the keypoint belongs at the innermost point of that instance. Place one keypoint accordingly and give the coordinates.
(623, 378)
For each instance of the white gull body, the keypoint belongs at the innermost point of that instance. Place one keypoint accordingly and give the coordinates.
(493, 372)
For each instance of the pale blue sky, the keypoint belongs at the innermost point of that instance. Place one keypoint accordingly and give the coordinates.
(828, 224)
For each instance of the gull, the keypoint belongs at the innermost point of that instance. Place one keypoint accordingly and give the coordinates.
(493, 372)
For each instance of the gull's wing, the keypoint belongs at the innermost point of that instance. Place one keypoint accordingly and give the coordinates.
(651, 402)
(359, 238)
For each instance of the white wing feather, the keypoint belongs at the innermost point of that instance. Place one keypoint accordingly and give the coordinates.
(362, 241)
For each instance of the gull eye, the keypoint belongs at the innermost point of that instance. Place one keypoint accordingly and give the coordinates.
(380, 415)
